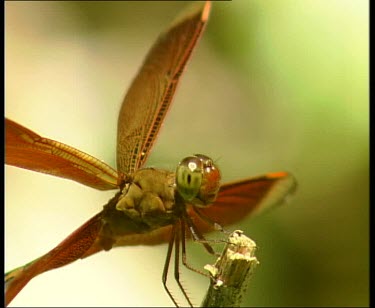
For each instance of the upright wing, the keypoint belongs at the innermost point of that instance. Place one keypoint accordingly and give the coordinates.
(150, 95)
(26, 149)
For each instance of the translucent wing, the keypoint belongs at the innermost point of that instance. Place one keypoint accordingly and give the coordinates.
(240, 199)
(69, 250)
(26, 149)
(150, 95)
(82, 243)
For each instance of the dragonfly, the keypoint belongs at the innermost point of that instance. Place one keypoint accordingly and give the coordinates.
(151, 206)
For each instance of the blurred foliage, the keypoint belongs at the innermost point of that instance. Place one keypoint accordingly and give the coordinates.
(273, 85)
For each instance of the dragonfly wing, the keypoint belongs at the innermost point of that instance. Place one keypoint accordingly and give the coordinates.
(26, 149)
(242, 198)
(150, 94)
(155, 237)
(69, 250)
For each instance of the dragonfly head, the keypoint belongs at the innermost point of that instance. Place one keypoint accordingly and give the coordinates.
(198, 180)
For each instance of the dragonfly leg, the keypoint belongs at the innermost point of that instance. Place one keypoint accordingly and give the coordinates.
(177, 263)
(197, 236)
(174, 241)
(183, 256)
(167, 262)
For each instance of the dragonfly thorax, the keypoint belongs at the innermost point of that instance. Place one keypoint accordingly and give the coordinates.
(150, 197)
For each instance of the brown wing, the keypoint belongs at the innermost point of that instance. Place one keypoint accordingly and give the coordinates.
(239, 199)
(150, 95)
(26, 149)
(69, 250)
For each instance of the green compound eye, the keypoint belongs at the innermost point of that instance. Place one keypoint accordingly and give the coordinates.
(189, 176)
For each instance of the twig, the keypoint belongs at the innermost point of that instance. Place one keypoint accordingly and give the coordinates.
(231, 272)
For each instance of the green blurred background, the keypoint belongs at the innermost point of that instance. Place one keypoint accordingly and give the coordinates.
(273, 85)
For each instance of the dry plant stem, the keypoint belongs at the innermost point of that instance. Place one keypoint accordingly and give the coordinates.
(231, 272)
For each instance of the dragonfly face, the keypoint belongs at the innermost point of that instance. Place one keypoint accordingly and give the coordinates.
(198, 180)
(152, 206)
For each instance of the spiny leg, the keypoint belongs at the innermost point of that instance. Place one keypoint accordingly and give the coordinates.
(197, 236)
(167, 262)
(177, 262)
(184, 258)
